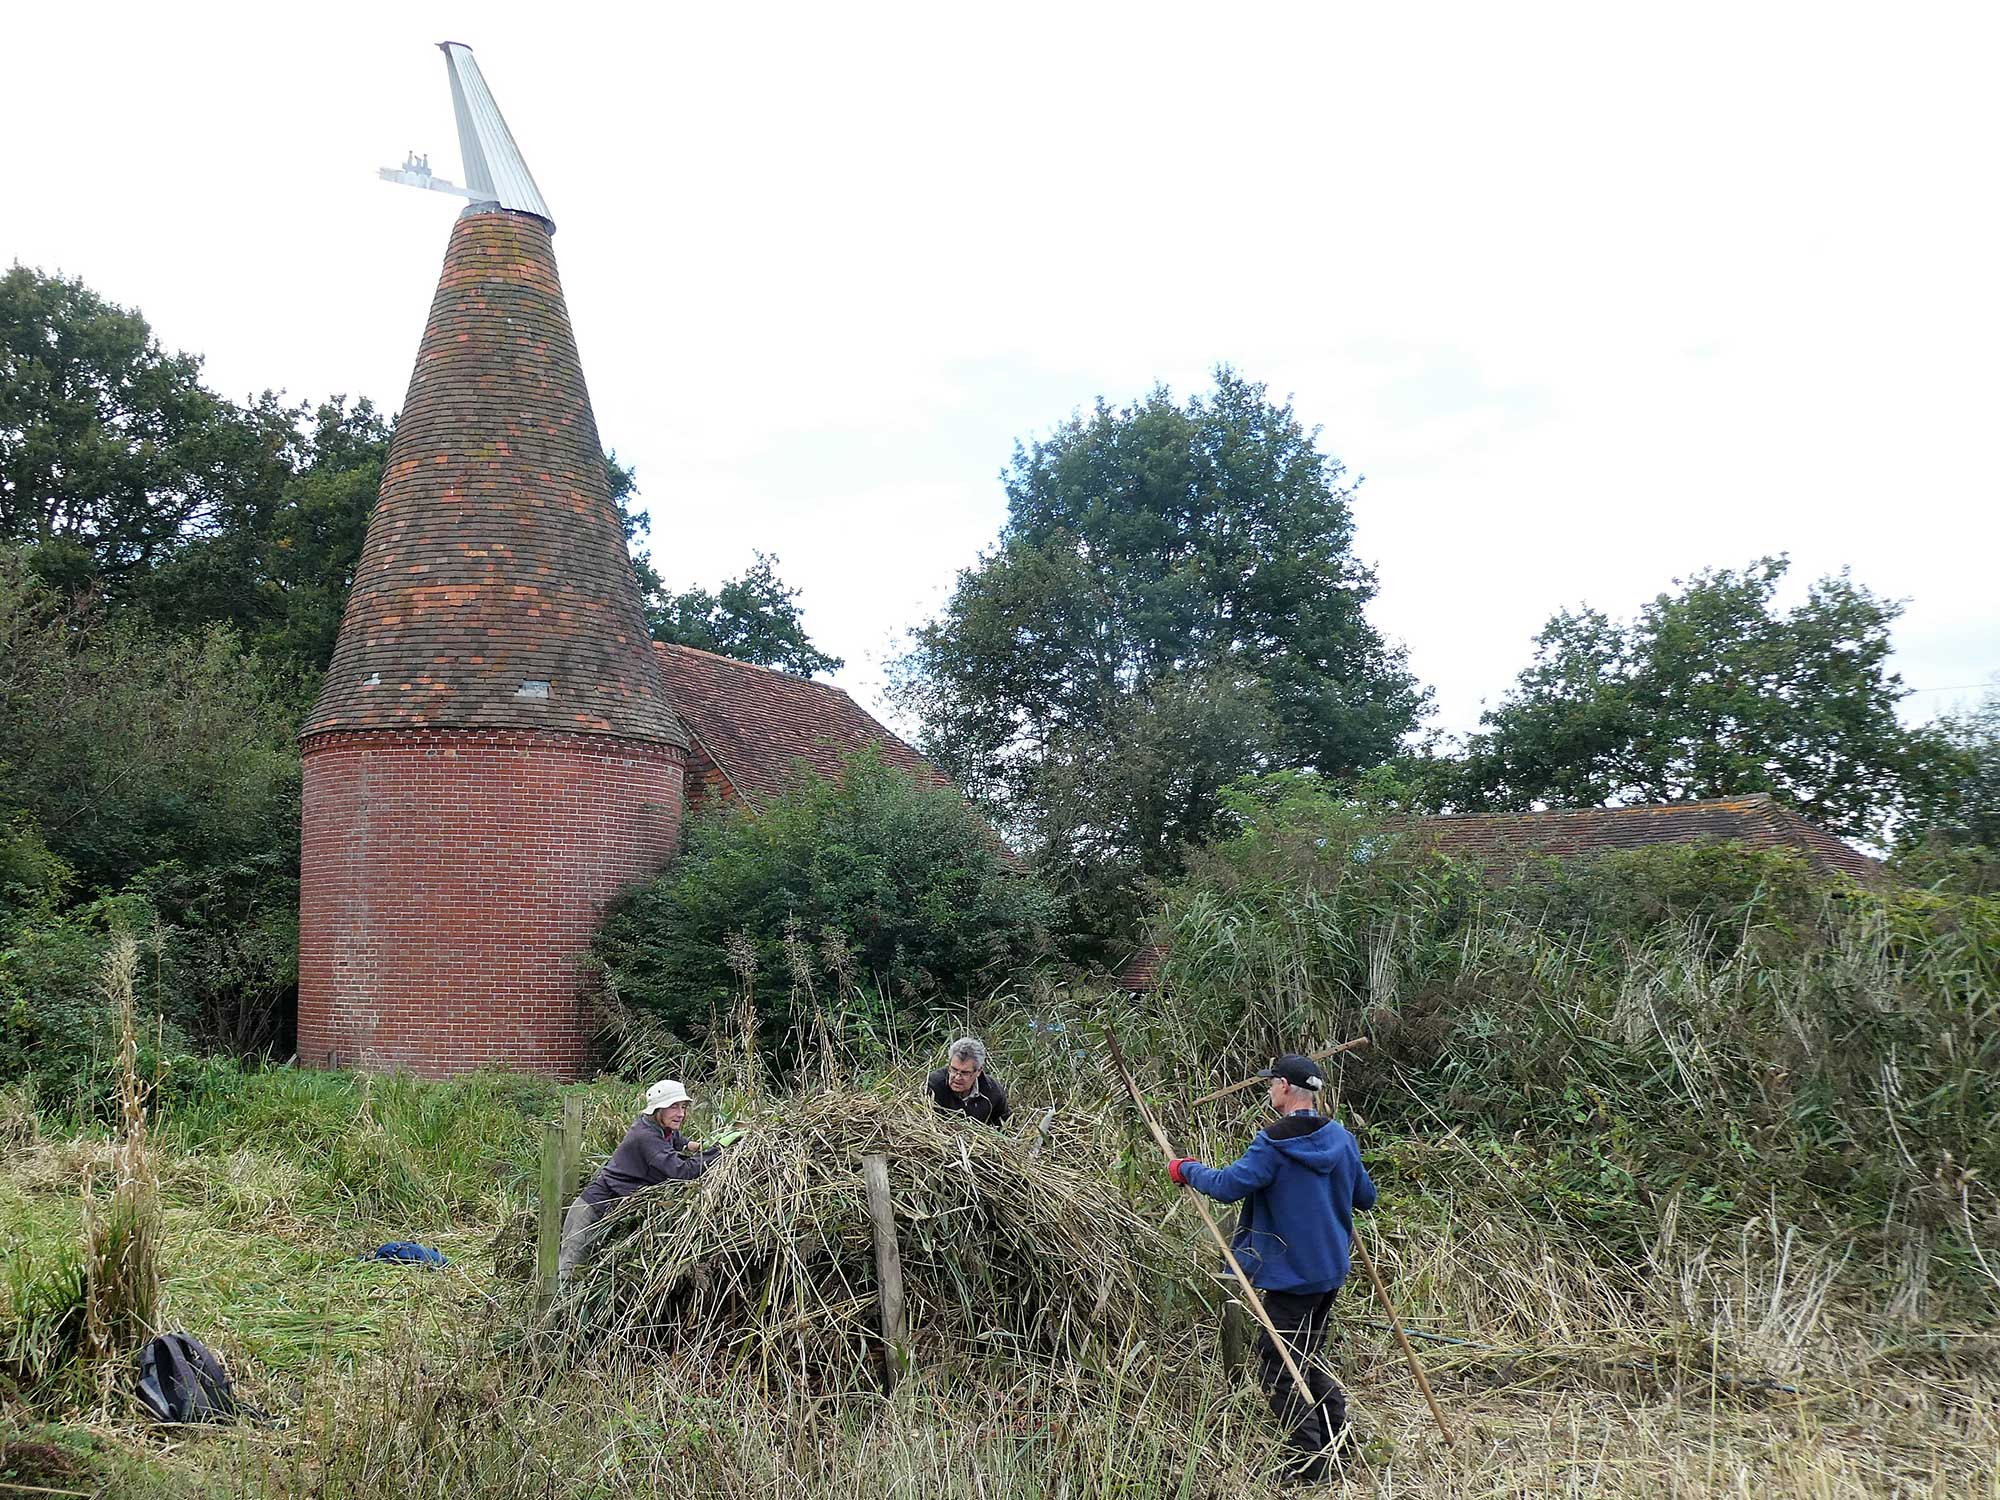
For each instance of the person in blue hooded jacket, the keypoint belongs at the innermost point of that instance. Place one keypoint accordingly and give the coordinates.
(1299, 1183)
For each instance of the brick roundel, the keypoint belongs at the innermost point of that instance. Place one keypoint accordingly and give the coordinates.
(452, 882)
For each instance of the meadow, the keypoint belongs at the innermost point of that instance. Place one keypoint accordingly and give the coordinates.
(1670, 1207)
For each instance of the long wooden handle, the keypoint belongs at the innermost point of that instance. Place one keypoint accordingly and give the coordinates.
(1382, 1295)
(1252, 1082)
(1208, 1220)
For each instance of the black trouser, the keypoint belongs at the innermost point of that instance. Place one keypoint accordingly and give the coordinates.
(1302, 1320)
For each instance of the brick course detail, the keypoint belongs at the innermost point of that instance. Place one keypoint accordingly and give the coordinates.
(452, 880)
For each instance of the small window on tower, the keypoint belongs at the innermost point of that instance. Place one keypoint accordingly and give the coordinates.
(533, 689)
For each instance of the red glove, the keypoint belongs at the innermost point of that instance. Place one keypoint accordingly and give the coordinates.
(1174, 1170)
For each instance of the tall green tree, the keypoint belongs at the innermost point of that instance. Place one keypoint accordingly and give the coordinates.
(754, 618)
(275, 563)
(124, 747)
(1951, 833)
(110, 446)
(1712, 691)
(1174, 602)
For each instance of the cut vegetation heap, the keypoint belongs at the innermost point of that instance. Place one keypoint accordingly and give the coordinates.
(767, 1261)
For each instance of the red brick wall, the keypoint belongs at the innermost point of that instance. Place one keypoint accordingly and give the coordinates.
(705, 781)
(451, 879)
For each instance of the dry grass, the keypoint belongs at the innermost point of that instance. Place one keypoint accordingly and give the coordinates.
(766, 1263)
(1581, 1372)
(121, 1239)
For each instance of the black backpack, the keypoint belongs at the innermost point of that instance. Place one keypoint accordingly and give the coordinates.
(181, 1380)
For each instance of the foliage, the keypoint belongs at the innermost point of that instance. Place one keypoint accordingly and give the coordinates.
(124, 478)
(1710, 692)
(33, 880)
(892, 876)
(55, 1030)
(752, 618)
(1714, 1025)
(276, 562)
(126, 747)
(109, 446)
(1952, 834)
(148, 782)
(229, 938)
(1174, 602)
(45, 1329)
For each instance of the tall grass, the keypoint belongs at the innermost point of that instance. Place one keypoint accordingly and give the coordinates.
(1683, 1166)
(1711, 1028)
(121, 1266)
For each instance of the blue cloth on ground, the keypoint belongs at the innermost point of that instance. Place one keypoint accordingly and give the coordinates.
(409, 1253)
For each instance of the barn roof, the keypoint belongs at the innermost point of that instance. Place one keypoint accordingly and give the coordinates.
(756, 723)
(1759, 821)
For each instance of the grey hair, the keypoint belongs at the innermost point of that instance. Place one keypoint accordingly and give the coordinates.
(969, 1049)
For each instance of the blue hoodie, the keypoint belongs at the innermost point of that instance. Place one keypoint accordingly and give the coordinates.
(1302, 1178)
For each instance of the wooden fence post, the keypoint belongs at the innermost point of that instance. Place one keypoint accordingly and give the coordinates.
(1236, 1336)
(572, 1173)
(548, 1247)
(888, 1269)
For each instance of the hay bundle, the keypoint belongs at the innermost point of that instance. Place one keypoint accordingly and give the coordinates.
(768, 1258)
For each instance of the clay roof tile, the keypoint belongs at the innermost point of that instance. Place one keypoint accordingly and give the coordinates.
(757, 723)
(495, 571)
(1758, 820)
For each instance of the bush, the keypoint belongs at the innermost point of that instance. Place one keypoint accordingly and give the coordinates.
(149, 780)
(1714, 1024)
(871, 874)
(56, 1033)
(230, 943)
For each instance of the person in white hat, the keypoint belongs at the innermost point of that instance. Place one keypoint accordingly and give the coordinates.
(654, 1150)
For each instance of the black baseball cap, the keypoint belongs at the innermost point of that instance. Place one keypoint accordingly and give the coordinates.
(1299, 1072)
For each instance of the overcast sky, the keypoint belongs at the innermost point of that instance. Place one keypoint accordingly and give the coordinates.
(1592, 296)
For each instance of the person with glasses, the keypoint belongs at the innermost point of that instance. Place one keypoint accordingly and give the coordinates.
(964, 1087)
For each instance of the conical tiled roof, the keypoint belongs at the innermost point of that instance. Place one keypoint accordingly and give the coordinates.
(495, 590)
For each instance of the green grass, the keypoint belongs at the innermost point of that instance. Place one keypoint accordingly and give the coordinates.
(1586, 1369)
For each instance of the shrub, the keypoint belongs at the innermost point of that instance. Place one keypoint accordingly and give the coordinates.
(229, 938)
(877, 873)
(1709, 1023)
(149, 780)
(56, 1033)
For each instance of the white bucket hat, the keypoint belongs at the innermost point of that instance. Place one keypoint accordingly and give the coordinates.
(663, 1093)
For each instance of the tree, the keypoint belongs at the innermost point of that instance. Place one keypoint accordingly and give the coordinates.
(1173, 602)
(276, 562)
(1710, 692)
(752, 618)
(125, 747)
(149, 781)
(1965, 805)
(875, 872)
(1951, 835)
(110, 447)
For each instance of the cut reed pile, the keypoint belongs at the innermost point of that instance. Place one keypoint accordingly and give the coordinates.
(765, 1264)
